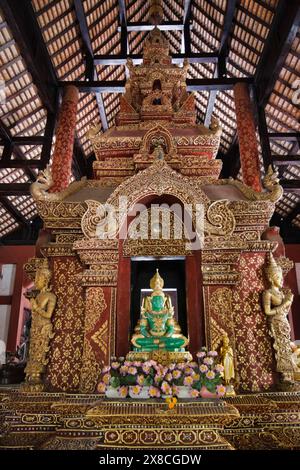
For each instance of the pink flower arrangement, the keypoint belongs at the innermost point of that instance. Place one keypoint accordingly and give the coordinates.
(135, 389)
(161, 380)
(210, 373)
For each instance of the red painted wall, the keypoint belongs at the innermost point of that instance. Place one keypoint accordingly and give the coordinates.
(293, 252)
(18, 255)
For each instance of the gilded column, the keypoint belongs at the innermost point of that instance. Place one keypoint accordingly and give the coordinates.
(63, 151)
(247, 137)
(100, 284)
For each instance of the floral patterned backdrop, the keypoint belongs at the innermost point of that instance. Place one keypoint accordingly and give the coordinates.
(65, 357)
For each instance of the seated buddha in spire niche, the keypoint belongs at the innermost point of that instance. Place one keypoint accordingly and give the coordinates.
(157, 328)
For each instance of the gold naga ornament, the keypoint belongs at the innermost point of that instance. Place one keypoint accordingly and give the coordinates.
(42, 307)
(277, 301)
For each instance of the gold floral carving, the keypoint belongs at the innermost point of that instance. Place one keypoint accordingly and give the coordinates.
(221, 305)
(60, 209)
(145, 438)
(155, 248)
(224, 257)
(57, 250)
(252, 342)
(61, 214)
(96, 244)
(67, 238)
(220, 219)
(219, 317)
(90, 371)
(64, 366)
(91, 218)
(101, 337)
(31, 267)
(158, 132)
(158, 179)
(285, 263)
(216, 334)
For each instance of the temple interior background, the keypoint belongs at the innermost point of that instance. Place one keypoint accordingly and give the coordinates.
(192, 104)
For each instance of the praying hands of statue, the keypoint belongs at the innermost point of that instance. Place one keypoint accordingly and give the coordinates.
(286, 303)
(43, 307)
(270, 302)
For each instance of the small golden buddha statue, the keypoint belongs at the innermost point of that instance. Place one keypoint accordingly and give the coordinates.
(276, 303)
(42, 307)
(227, 360)
(157, 329)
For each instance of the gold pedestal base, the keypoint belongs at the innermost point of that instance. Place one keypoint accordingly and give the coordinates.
(63, 421)
(162, 357)
(230, 392)
(30, 387)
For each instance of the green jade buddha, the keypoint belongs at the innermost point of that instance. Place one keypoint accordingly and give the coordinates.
(157, 328)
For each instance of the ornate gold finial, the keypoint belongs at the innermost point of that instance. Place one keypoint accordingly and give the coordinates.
(271, 266)
(156, 278)
(156, 12)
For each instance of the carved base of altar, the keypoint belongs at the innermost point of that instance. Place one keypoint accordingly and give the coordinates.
(162, 357)
(69, 421)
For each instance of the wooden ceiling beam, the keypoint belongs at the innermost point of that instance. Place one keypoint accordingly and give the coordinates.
(293, 214)
(220, 70)
(284, 160)
(11, 149)
(137, 59)
(225, 38)
(123, 26)
(86, 41)
(24, 164)
(290, 185)
(90, 72)
(286, 136)
(219, 84)
(102, 112)
(266, 6)
(27, 35)
(14, 189)
(13, 211)
(142, 26)
(186, 37)
(46, 8)
(22, 21)
(254, 17)
(118, 86)
(279, 41)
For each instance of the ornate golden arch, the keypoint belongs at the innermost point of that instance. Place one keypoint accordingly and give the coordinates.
(158, 132)
(156, 180)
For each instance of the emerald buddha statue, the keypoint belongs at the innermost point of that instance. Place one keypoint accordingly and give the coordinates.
(157, 328)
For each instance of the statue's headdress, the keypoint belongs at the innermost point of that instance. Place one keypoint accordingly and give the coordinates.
(271, 266)
(43, 269)
(154, 280)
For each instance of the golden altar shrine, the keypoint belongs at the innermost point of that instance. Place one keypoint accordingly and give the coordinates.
(155, 154)
(261, 421)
